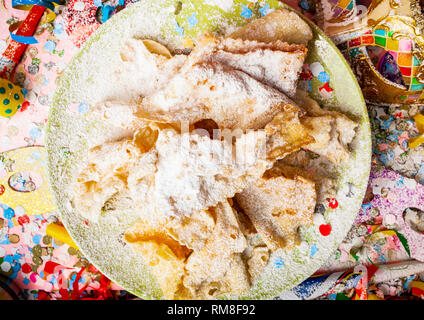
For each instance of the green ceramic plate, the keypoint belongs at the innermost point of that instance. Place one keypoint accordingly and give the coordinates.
(87, 80)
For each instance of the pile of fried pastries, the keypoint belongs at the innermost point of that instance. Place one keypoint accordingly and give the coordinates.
(217, 164)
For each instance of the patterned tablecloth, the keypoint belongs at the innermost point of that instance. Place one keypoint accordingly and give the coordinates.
(37, 266)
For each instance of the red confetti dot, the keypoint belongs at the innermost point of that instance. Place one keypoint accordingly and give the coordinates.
(23, 219)
(332, 203)
(325, 229)
(64, 293)
(306, 75)
(25, 106)
(49, 267)
(26, 268)
(398, 115)
(2, 189)
(43, 296)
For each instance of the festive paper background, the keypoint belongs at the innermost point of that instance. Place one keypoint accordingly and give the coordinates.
(38, 266)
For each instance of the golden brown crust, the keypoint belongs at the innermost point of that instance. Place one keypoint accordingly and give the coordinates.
(281, 24)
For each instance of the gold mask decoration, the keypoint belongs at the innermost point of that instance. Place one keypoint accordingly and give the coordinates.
(384, 43)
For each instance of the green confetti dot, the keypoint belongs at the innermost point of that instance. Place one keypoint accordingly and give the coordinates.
(2, 90)
(36, 251)
(72, 251)
(37, 260)
(47, 239)
(6, 101)
(16, 96)
(10, 85)
(8, 111)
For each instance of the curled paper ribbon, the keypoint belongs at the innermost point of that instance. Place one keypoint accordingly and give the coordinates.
(24, 32)
(28, 5)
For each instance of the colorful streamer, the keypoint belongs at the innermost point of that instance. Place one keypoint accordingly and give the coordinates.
(27, 5)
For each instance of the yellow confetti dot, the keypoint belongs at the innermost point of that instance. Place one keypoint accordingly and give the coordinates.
(188, 43)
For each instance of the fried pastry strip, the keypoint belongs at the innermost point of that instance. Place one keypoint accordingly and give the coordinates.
(281, 24)
(331, 130)
(325, 187)
(276, 64)
(218, 268)
(209, 90)
(165, 256)
(278, 206)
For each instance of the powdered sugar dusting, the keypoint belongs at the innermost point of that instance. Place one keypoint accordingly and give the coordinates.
(70, 136)
(222, 4)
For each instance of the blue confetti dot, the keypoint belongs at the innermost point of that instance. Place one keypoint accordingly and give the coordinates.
(58, 28)
(278, 262)
(381, 259)
(2, 90)
(390, 155)
(36, 154)
(304, 5)
(386, 123)
(179, 29)
(400, 183)
(39, 217)
(35, 133)
(6, 101)
(309, 84)
(16, 266)
(83, 108)
(323, 77)
(366, 206)
(404, 145)
(192, 21)
(8, 213)
(264, 10)
(36, 239)
(354, 52)
(314, 250)
(8, 111)
(246, 12)
(4, 240)
(50, 45)
(10, 86)
(332, 296)
(25, 281)
(13, 258)
(16, 96)
(97, 3)
(393, 137)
